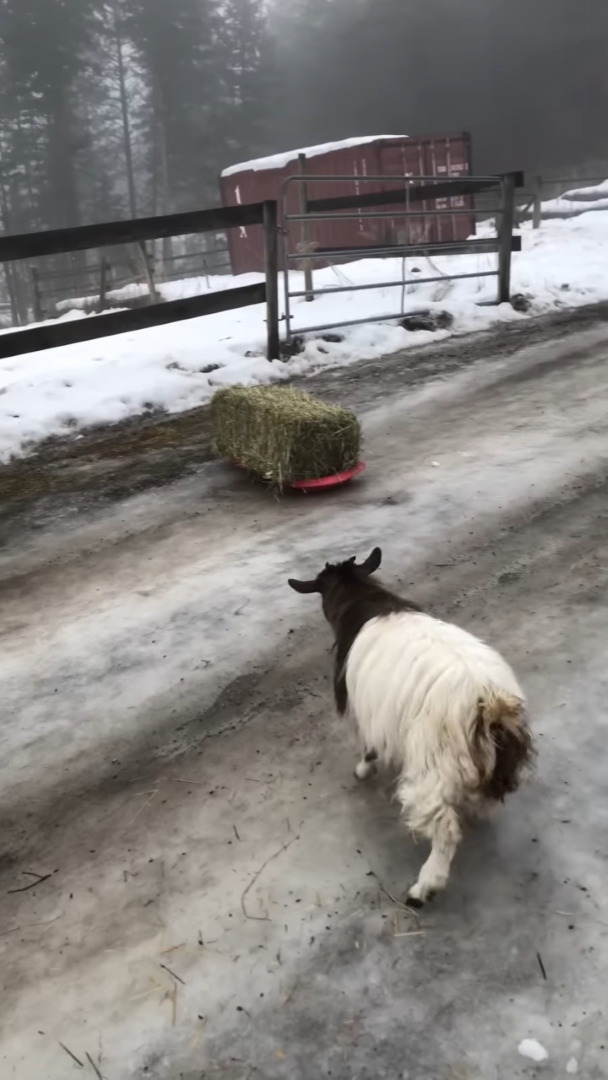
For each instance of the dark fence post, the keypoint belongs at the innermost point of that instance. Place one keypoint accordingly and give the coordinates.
(271, 268)
(505, 237)
(537, 215)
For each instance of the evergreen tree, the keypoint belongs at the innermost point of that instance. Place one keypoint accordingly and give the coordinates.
(314, 68)
(176, 43)
(43, 43)
(251, 85)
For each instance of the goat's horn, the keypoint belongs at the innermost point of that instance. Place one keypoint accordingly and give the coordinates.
(304, 586)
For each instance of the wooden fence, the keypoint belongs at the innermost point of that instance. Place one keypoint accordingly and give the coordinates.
(60, 241)
(264, 215)
(95, 286)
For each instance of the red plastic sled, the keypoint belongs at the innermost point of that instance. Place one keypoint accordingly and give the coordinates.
(324, 481)
(327, 481)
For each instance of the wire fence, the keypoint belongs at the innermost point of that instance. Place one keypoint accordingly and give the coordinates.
(125, 279)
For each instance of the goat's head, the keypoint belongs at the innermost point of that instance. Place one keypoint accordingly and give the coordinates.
(332, 573)
(334, 578)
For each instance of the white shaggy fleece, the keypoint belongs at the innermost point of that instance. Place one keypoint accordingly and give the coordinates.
(415, 688)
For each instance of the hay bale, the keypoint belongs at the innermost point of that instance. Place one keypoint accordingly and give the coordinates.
(283, 434)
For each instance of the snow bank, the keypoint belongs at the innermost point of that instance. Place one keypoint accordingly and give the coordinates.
(178, 366)
(563, 206)
(578, 201)
(279, 161)
(588, 194)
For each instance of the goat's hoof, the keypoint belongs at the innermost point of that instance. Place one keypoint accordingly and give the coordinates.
(414, 902)
(418, 897)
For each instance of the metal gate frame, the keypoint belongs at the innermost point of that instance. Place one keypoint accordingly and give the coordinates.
(414, 189)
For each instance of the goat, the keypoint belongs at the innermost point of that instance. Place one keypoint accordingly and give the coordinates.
(431, 700)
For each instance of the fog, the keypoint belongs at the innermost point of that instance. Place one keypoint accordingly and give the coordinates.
(119, 108)
(529, 79)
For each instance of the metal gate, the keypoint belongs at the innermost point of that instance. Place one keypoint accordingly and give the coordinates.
(401, 222)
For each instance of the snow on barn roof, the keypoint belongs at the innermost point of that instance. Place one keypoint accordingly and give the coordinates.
(279, 161)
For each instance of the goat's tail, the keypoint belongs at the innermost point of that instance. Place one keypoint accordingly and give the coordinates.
(502, 745)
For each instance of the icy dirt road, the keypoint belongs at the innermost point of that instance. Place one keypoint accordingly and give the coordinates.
(217, 904)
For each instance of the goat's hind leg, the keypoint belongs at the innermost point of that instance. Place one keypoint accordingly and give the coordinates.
(445, 834)
(367, 765)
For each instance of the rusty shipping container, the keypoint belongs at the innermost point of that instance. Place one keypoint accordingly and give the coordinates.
(435, 155)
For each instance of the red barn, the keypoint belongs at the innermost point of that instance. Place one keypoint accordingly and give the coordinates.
(378, 155)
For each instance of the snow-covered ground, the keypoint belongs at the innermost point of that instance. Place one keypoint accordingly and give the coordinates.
(179, 366)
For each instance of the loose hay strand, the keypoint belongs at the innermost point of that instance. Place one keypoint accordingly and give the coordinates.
(282, 434)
